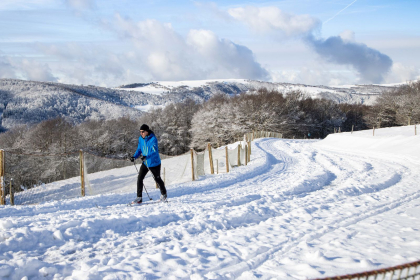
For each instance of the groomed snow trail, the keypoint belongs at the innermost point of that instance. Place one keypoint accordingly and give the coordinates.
(298, 210)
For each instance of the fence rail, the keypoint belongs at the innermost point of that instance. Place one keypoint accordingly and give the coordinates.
(194, 165)
(399, 272)
(24, 176)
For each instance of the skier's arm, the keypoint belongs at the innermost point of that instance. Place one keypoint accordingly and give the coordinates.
(153, 147)
(138, 151)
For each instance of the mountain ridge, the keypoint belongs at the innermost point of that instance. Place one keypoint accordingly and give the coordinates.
(29, 102)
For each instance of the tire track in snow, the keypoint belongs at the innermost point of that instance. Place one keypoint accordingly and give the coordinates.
(280, 249)
(284, 247)
(239, 182)
(289, 181)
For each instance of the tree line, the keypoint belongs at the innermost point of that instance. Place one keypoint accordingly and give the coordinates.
(220, 120)
(397, 107)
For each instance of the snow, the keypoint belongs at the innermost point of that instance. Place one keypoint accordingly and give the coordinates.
(353, 94)
(300, 209)
(199, 83)
(161, 87)
(313, 91)
(148, 107)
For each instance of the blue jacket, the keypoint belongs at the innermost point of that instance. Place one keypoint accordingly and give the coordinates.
(148, 147)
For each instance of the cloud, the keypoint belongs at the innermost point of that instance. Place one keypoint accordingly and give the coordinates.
(348, 36)
(6, 69)
(224, 55)
(148, 34)
(87, 63)
(370, 64)
(199, 55)
(274, 20)
(150, 50)
(34, 70)
(25, 4)
(80, 4)
(30, 69)
(400, 73)
(214, 10)
(314, 74)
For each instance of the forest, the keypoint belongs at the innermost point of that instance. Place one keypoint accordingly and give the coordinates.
(188, 124)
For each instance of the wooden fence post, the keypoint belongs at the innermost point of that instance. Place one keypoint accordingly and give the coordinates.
(352, 127)
(164, 176)
(2, 187)
(249, 152)
(227, 159)
(12, 195)
(246, 154)
(239, 154)
(415, 129)
(210, 158)
(192, 164)
(82, 172)
(373, 133)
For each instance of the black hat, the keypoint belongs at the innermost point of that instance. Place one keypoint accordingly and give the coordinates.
(144, 127)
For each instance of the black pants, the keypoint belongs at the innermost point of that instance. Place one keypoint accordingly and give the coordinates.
(156, 174)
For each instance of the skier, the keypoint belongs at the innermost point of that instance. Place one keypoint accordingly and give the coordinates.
(148, 152)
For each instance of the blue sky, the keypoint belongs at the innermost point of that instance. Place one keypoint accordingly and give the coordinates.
(110, 43)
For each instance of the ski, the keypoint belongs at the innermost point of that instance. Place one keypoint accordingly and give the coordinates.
(147, 203)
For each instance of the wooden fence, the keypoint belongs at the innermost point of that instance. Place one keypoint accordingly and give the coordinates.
(228, 160)
(409, 271)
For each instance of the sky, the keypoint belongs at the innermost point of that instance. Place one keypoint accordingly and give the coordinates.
(111, 43)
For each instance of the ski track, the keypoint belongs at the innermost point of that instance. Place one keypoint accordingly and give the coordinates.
(289, 197)
(284, 247)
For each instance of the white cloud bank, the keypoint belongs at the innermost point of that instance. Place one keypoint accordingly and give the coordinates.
(201, 54)
(152, 50)
(400, 73)
(370, 64)
(272, 19)
(29, 69)
(147, 50)
(25, 4)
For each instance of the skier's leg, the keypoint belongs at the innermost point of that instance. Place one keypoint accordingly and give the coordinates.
(142, 173)
(156, 174)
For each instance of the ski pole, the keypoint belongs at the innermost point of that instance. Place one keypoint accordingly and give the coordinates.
(143, 184)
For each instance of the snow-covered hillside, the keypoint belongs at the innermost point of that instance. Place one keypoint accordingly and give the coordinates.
(29, 102)
(365, 94)
(300, 209)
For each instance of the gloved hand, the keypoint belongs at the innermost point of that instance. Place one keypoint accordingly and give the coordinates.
(142, 157)
(132, 159)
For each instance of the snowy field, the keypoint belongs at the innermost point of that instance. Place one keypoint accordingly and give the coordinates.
(301, 209)
(166, 86)
(354, 94)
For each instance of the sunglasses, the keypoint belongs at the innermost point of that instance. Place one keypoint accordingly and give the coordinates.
(142, 131)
